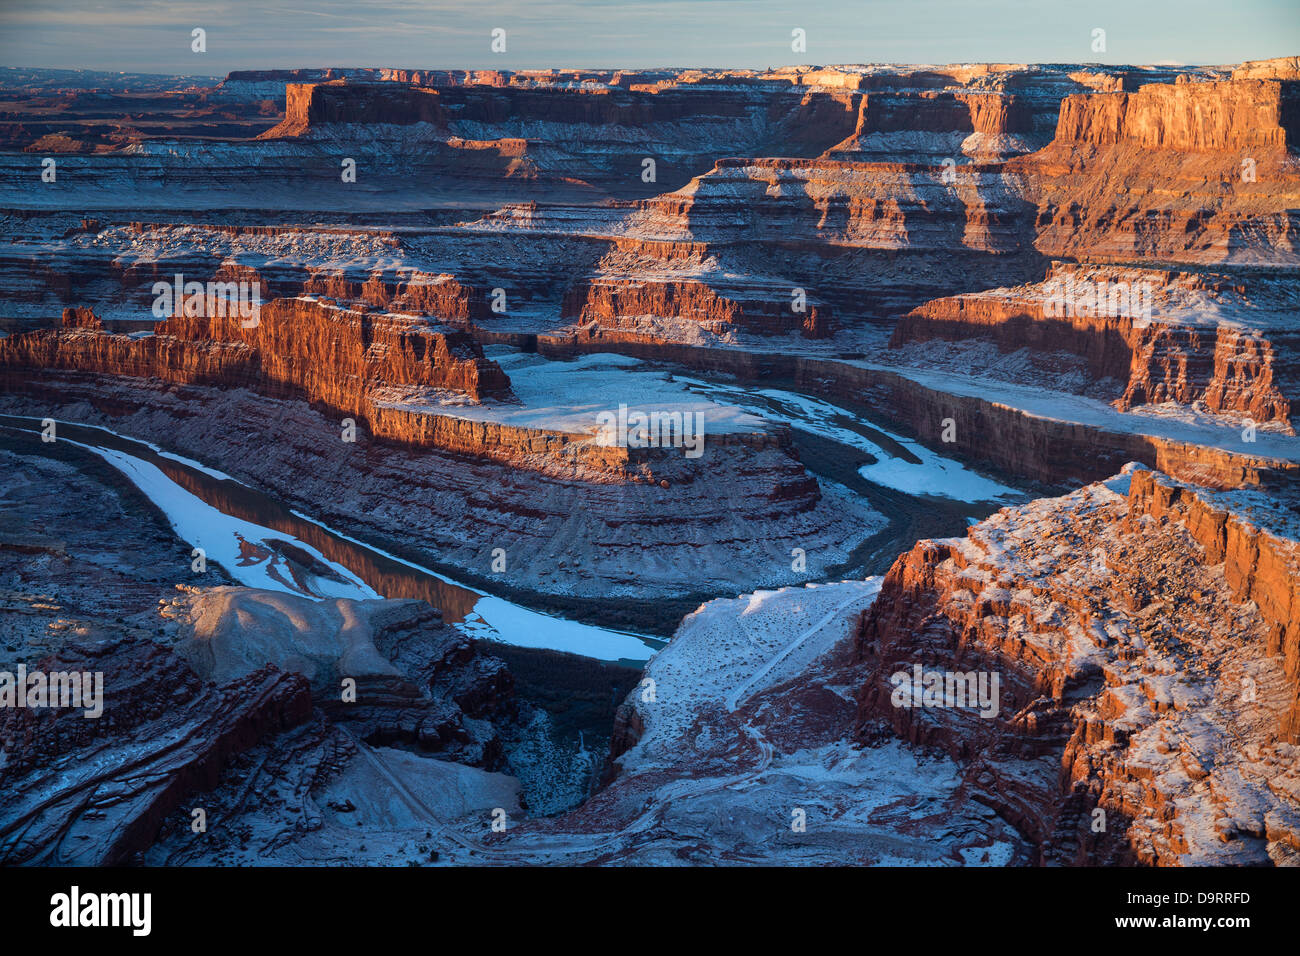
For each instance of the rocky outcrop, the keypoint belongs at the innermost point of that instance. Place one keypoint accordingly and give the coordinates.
(93, 792)
(934, 126)
(1261, 564)
(337, 101)
(405, 290)
(836, 203)
(1278, 68)
(116, 266)
(1191, 338)
(1187, 117)
(388, 670)
(1144, 701)
(618, 303)
(331, 354)
(81, 318)
(1199, 172)
(1051, 449)
(868, 239)
(89, 348)
(302, 347)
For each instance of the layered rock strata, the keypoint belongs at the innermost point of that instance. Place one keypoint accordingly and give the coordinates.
(1147, 688)
(1189, 338)
(91, 793)
(1082, 441)
(670, 525)
(1196, 172)
(202, 685)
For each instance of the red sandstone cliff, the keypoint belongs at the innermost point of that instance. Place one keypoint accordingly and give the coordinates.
(329, 352)
(302, 347)
(1192, 172)
(612, 302)
(1191, 117)
(1139, 678)
(343, 359)
(1149, 330)
(388, 372)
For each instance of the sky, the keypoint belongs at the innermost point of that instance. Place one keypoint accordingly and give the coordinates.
(154, 36)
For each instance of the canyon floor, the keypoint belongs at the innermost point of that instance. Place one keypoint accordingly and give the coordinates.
(844, 465)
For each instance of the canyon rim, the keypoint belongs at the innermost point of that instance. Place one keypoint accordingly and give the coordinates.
(486, 465)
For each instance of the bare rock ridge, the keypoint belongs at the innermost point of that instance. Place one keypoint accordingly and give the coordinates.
(1194, 117)
(1145, 642)
(1148, 330)
(77, 792)
(617, 303)
(1193, 172)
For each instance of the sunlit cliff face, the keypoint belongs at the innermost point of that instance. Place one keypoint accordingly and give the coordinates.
(868, 465)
